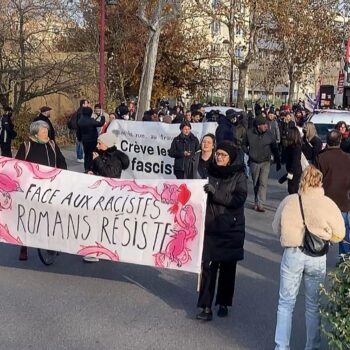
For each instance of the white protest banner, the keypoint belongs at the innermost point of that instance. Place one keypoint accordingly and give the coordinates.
(147, 143)
(149, 222)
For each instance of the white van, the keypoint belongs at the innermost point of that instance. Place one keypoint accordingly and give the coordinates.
(325, 120)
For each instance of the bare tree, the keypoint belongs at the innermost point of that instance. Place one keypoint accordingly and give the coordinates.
(125, 57)
(267, 72)
(245, 21)
(30, 65)
(307, 32)
(154, 15)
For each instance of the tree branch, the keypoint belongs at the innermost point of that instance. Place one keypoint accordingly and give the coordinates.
(141, 15)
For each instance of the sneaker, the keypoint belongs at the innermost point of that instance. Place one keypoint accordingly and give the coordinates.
(80, 160)
(91, 259)
(223, 311)
(260, 209)
(205, 315)
(23, 254)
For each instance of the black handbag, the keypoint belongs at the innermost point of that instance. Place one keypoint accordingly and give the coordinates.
(313, 245)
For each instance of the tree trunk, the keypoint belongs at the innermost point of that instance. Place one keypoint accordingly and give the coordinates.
(4, 100)
(242, 81)
(292, 83)
(149, 66)
(20, 88)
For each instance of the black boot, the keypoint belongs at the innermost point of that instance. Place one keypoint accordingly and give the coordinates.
(223, 311)
(205, 315)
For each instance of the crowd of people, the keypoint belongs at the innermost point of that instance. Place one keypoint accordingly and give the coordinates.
(245, 144)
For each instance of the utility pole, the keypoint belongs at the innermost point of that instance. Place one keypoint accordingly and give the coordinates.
(102, 73)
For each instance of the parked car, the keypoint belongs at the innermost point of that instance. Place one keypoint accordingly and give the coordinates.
(325, 120)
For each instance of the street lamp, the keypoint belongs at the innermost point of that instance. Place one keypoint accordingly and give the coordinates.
(102, 70)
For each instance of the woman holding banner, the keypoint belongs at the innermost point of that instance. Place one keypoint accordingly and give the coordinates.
(40, 149)
(183, 147)
(224, 231)
(108, 161)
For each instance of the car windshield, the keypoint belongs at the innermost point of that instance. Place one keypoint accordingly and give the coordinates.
(323, 129)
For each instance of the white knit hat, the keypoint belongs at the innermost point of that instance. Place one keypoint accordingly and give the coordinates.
(109, 139)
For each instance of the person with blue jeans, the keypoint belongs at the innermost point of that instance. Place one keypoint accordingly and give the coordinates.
(323, 220)
(344, 245)
(79, 150)
(334, 164)
(73, 127)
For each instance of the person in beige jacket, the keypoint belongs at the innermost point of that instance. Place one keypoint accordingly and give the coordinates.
(323, 218)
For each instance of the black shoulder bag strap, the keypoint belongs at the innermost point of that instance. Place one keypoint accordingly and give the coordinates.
(302, 209)
(303, 216)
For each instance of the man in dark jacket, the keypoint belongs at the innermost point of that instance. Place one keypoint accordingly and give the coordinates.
(7, 133)
(273, 126)
(87, 134)
(73, 125)
(183, 148)
(44, 115)
(226, 130)
(260, 145)
(335, 167)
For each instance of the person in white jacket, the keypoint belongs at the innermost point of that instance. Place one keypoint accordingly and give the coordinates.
(323, 218)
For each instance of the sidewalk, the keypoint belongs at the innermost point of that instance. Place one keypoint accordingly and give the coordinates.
(71, 159)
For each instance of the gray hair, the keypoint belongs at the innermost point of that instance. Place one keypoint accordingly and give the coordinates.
(35, 126)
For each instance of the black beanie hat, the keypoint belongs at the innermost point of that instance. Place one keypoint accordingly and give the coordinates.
(260, 120)
(229, 148)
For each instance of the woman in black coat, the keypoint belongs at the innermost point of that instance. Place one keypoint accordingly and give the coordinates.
(40, 149)
(109, 161)
(312, 144)
(182, 148)
(203, 158)
(293, 160)
(224, 231)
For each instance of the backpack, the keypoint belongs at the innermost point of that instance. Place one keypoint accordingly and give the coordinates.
(27, 145)
(72, 123)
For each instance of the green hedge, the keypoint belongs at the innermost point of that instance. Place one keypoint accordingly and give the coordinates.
(22, 122)
(336, 309)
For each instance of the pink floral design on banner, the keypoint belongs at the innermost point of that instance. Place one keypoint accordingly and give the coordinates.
(8, 185)
(177, 197)
(98, 250)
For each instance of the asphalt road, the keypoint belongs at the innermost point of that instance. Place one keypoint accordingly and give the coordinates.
(77, 306)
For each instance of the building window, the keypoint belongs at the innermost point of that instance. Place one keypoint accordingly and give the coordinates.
(238, 52)
(215, 48)
(216, 27)
(215, 71)
(215, 3)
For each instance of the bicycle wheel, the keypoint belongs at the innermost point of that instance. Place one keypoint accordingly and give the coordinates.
(47, 257)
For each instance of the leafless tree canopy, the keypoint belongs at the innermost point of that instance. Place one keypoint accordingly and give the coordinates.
(30, 64)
